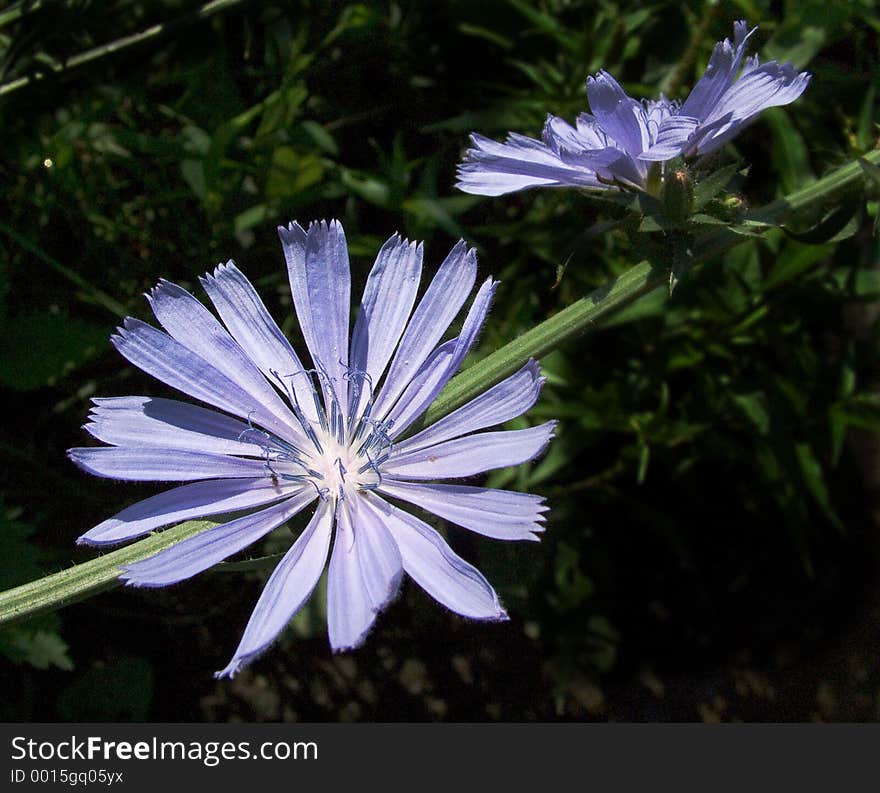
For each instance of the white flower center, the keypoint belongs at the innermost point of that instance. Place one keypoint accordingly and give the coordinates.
(338, 456)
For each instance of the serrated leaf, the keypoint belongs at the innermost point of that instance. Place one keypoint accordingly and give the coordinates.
(707, 187)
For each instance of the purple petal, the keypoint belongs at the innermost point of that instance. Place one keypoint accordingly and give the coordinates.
(719, 74)
(500, 514)
(620, 117)
(611, 163)
(492, 168)
(471, 455)
(167, 423)
(320, 280)
(436, 568)
(288, 588)
(671, 139)
(364, 575)
(150, 464)
(506, 400)
(436, 373)
(765, 86)
(197, 500)
(559, 134)
(193, 555)
(388, 300)
(251, 325)
(188, 321)
(436, 310)
(168, 360)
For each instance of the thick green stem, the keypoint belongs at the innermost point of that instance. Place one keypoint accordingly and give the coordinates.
(588, 313)
(89, 578)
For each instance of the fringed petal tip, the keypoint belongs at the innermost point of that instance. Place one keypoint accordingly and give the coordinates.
(394, 590)
(84, 539)
(500, 616)
(218, 271)
(129, 576)
(230, 670)
(550, 427)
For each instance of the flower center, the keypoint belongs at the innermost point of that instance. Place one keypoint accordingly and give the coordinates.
(341, 453)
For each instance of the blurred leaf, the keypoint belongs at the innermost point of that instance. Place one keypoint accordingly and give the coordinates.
(796, 42)
(791, 155)
(754, 407)
(707, 187)
(484, 33)
(814, 479)
(867, 123)
(311, 619)
(839, 224)
(40, 649)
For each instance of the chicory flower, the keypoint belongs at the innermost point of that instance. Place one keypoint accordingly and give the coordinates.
(279, 436)
(620, 142)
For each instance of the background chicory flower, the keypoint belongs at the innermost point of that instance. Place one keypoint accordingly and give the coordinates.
(618, 143)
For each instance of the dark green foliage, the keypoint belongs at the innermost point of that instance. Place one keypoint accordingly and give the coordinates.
(712, 479)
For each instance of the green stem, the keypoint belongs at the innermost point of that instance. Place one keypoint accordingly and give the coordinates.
(18, 10)
(207, 10)
(89, 578)
(586, 314)
(92, 293)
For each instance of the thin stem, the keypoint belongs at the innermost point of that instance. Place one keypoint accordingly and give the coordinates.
(206, 11)
(18, 10)
(94, 294)
(89, 578)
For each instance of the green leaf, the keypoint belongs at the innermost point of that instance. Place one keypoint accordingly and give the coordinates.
(485, 33)
(320, 137)
(252, 216)
(755, 408)
(814, 479)
(837, 225)
(796, 42)
(311, 619)
(866, 124)
(39, 648)
(790, 151)
(707, 187)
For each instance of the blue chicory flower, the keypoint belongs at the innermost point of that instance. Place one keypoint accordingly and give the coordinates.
(288, 436)
(621, 140)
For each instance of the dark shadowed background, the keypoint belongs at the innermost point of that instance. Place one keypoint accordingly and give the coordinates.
(712, 548)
